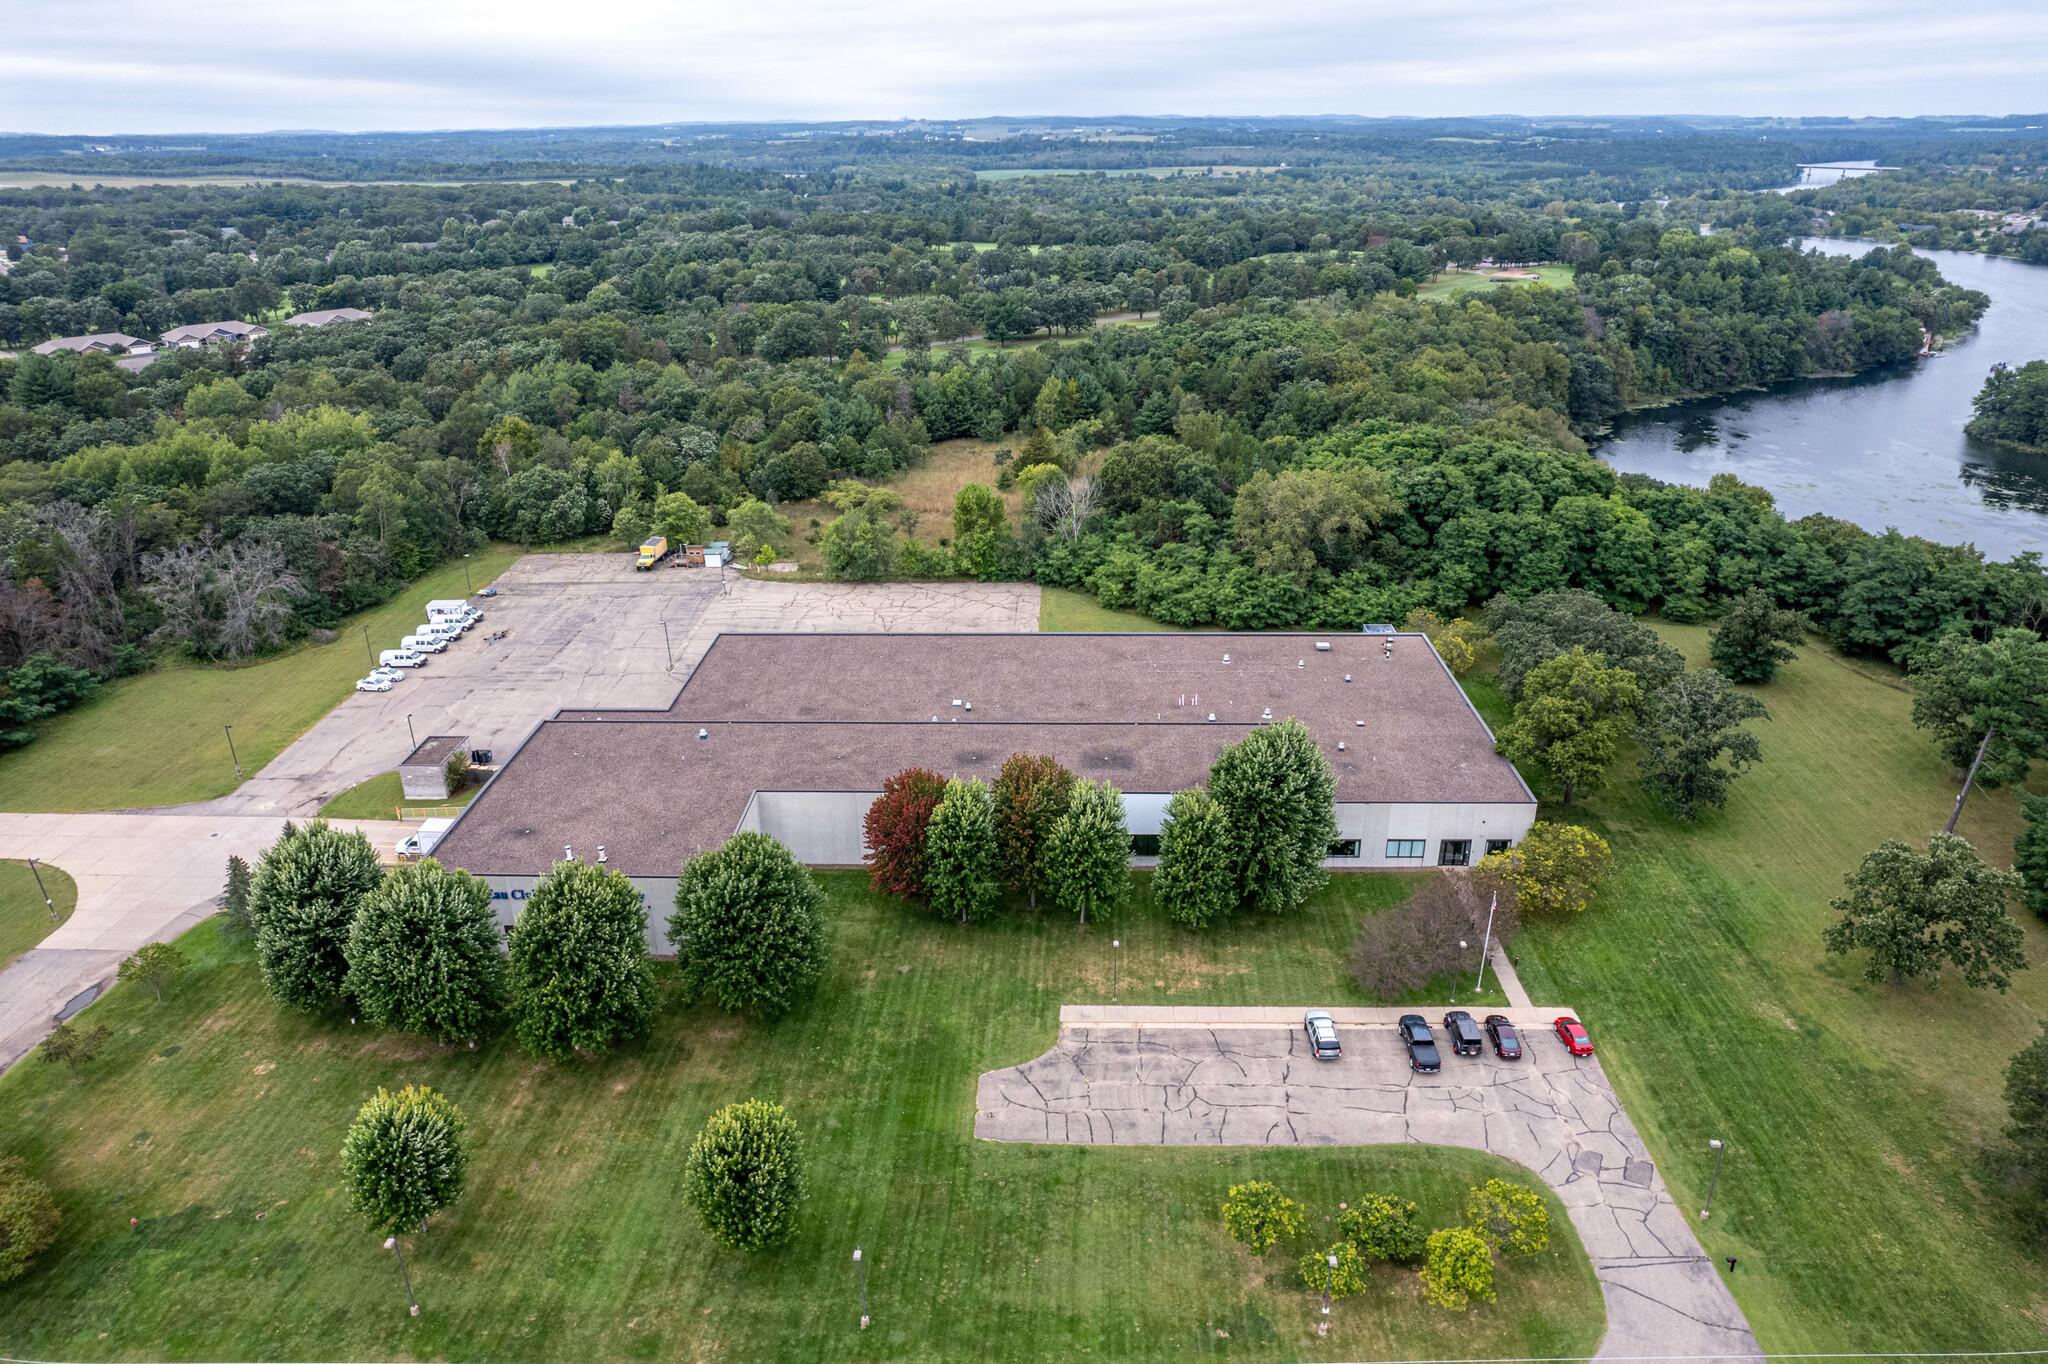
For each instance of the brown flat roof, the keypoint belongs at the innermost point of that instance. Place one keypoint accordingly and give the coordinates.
(840, 712)
(434, 750)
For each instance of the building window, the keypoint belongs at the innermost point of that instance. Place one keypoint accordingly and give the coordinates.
(1454, 852)
(1498, 845)
(1345, 847)
(1404, 847)
(1144, 845)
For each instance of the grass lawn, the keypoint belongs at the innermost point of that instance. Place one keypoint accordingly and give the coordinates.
(24, 918)
(1061, 608)
(1853, 1193)
(571, 1242)
(157, 739)
(381, 797)
(1451, 281)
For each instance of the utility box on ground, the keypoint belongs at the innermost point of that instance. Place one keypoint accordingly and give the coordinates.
(424, 773)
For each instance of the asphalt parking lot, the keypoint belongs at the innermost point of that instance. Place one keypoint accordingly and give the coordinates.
(588, 631)
(1222, 1077)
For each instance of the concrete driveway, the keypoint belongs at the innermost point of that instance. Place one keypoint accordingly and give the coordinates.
(1196, 1077)
(586, 631)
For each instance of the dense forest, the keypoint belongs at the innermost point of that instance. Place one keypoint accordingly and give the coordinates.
(1294, 425)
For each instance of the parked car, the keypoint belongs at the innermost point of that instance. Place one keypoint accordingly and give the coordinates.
(1463, 1033)
(388, 674)
(401, 658)
(441, 629)
(1572, 1033)
(1421, 1044)
(1507, 1044)
(374, 683)
(488, 592)
(1322, 1035)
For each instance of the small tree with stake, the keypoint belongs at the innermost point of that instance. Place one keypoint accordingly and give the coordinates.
(403, 1161)
(1917, 911)
(74, 1046)
(153, 965)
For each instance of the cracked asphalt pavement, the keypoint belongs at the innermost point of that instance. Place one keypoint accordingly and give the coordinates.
(1258, 1086)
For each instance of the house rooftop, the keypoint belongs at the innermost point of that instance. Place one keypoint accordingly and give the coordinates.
(325, 316)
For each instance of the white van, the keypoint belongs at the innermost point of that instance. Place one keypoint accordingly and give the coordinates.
(438, 629)
(423, 644)
(401, 658)
(452, 606)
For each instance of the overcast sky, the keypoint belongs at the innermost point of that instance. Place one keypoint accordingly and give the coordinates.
(120, 66)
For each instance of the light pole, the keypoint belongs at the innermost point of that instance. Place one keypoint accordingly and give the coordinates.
(1454, 978)
(862, 1270)
(47, 903)
(391, 1244)
(230, 730)
(468, 586)
(1324, 1329)
(1485, 942)
(668, 646)
(368, 651)
(1715, 1182)
(409, 734)
(1115, 950)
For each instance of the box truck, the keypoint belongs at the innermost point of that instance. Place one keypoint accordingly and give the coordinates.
(651, 550)
(454, 607)
(422, 843)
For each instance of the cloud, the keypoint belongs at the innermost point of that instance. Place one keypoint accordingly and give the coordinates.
(104, 66)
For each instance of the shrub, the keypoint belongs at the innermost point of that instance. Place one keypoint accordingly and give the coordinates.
(153, 965)
(423, 953)
(747, 927)
(1341, 1280)
(1383, 1227)
(1031, 793)
(744, 1175)
(403, 1159)
(1197, 877)
(308, 885)
(28, 1217)
(960, 852)
(1279, 796)
(1511, 1217)
(235, 898)
(74, 1046)
(1459, 1268)
(1405, 946)
(1088, 857)
(1256, 1215)
(894, 831)
(1555, 869)
(578, 968)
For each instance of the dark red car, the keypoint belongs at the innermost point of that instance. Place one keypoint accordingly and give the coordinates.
(1572, 1033)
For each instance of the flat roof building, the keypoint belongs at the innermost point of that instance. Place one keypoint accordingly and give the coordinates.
(793, 735)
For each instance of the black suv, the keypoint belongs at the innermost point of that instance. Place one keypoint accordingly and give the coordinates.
(1421, 1044)
(1463, 1032)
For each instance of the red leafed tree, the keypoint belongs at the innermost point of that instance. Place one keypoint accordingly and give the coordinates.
(895, 830)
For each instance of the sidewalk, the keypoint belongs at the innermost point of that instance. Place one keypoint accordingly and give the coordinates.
(141, 878)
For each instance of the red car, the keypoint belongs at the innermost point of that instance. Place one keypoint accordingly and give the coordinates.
(1572, 1033)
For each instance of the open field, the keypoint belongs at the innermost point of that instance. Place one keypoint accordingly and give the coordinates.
(571, 1241)
(983, 346)
(1061, 608)
(24, 918)
(381, 796)
(1855, 1115)
(1476, 281)
(157, 739)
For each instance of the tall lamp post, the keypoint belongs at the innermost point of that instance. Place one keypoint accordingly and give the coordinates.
(409, 734)
(1715, 1182)
(1462, 945)
(47, 902)
(368, 650)
(1324, 1329)
(862, 1270)
(1485, 942)
(230, 729)
(1115, 950)
(466, 583)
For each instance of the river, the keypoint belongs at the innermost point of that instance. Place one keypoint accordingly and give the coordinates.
(1881, 449)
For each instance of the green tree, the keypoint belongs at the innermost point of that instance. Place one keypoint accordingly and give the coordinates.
(745, 1176)
(1554, 869)
(308, 885)
(752, 525)
(1279, 799)
(1541, 627)
(2012, 407)
(1088, 856)
(1755, 636)
(403, 1158)
(1256, 1215)
(1295, 521)
(1511, 1217)
(1963, 688)
(1569, 724)
(235, 898)
(75, 1046)
(1197, 878)
(1458, 1268)
(1341, 1280)
(748, 928)
(1384, 1227)
(423, 953)
(981, 531)
(28, 1217)
(858, 547)
(960, 852)
(1687, 728)
(2026, 1110)
(1918, 911)
(2030, 852)
(1031, 794)
(578, 970)
(678, 517)
(153, 964)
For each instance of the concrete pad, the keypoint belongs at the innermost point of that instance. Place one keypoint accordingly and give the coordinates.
(1224, 1078)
